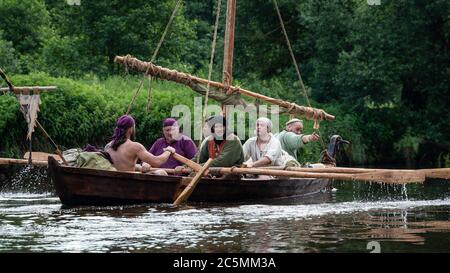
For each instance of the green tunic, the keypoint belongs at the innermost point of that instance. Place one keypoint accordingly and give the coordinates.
(290, 142)
(232, 154)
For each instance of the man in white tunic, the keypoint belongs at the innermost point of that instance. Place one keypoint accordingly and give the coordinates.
(264, 149)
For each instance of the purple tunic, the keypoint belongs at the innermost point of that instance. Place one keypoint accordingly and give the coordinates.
(185, 147)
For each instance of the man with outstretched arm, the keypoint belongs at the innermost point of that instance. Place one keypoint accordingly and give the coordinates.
(292, 138)
(125, 152)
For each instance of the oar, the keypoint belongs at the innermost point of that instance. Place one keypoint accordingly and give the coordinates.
(382, 177)
(191, 164)
(39, 156)
(184, 195)
(14, 161)
(440, 173)
(377, 175)
(172, 171)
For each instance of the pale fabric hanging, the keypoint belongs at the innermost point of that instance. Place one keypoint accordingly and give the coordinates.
(30, 104)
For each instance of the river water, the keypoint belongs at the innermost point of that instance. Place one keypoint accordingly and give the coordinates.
(356, 217)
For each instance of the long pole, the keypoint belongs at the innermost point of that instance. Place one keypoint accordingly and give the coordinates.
(186, 79)
(227, 76)
(27, 89)
(228, 51)
(184, 195)
(376, 175)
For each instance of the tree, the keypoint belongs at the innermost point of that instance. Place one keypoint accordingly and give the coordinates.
(118, 27)
(24, 24)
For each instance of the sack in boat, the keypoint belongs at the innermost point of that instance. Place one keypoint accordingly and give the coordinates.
(94, 161)
(71, 156)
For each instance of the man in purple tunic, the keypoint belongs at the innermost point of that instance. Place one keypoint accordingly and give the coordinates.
(182, 144)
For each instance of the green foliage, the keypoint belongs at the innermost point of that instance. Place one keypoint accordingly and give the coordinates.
(409, 142)
(67, 56)
(25, 23)
(9, 60)
(104, 29)
(408, 146)
(447, 161)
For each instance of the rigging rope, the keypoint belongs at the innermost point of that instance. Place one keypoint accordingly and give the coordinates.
(155, 53)
(291, 52)
(210, 68)
(149, 98)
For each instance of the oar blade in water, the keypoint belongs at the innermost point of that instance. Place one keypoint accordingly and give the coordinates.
(392, 177)
(443, 173)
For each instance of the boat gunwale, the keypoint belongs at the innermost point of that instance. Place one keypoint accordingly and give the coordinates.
(163, 178)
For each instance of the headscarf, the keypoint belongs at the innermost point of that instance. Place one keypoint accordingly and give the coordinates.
(293, 121)
(215, 120)
(169, 122)
(122, 125)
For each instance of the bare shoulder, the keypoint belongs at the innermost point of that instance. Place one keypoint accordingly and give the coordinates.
(136, 146)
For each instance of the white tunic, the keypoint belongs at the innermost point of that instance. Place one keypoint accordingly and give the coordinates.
(272, 151)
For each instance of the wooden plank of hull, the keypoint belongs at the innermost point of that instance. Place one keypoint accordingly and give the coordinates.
(76, 186)
(210, 190)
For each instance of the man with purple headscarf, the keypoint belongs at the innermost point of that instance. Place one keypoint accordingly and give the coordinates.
(182, 144)
(124, 152)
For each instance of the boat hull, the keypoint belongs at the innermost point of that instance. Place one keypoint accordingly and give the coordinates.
(81, 186)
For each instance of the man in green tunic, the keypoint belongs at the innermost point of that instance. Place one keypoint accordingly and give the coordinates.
(292, 139)
(226, 151)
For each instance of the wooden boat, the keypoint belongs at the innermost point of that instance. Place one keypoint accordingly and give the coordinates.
(81, 186)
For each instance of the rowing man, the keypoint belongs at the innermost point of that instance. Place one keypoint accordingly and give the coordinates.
(125, 152)
(182, 144)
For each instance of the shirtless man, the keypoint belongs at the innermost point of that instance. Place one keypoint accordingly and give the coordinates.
(124, 152)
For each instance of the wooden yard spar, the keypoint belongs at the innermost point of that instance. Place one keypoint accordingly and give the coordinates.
(309, 113)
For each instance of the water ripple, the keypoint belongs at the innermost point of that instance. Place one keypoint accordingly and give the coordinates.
(38, 222)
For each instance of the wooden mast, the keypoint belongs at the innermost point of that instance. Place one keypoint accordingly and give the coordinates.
(227, 75)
